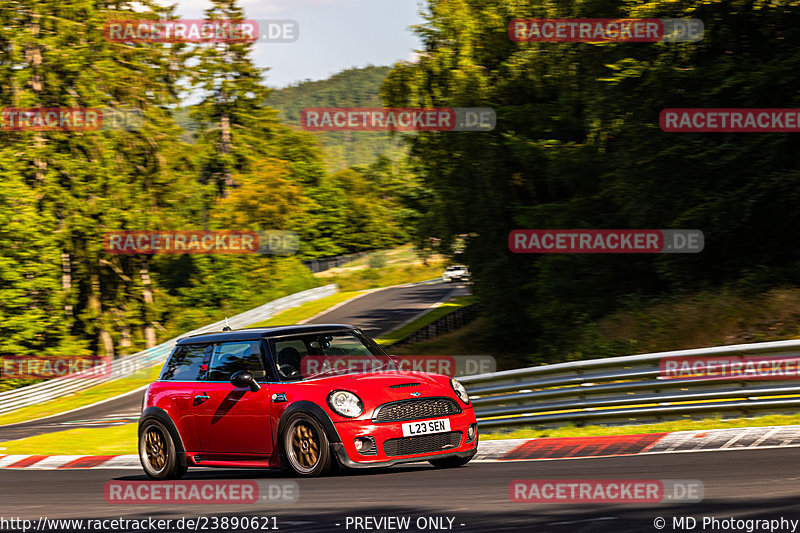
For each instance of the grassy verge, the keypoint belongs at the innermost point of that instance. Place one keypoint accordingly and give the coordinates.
(305, 311)
(676, 425)
(114, 440)
(399, 256)
(429, 317)
(384, 268)
(707, 318)
(80, 399)
(373, 278)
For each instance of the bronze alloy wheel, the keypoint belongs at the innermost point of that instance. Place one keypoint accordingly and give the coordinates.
(304, 446)
(157, 452)
(155, 448)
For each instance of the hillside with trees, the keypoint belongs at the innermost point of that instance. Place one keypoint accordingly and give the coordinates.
(354, 87)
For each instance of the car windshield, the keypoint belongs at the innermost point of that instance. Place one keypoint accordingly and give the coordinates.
(313, 355)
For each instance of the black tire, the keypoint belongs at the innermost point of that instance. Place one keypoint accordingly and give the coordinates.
(450, 462)
(157, 452)
(306, 449)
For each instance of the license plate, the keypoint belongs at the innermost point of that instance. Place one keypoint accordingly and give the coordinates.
(426, 427)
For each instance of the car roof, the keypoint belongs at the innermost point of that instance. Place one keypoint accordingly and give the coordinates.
(261, 333)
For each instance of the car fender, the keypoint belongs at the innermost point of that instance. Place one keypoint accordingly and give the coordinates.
(159, 414)
(314, 410)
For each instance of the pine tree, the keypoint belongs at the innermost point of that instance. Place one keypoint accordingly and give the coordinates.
(83, 184)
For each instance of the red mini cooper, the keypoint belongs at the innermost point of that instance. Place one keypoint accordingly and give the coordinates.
(301, 398)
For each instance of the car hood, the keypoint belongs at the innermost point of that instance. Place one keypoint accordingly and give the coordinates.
(402, 383)
(380, 388)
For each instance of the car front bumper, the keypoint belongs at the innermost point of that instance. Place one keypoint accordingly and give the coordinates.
(348, 431)
(341, 455)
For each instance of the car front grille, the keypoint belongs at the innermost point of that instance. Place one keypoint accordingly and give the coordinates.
(434, 442)
(415, 409)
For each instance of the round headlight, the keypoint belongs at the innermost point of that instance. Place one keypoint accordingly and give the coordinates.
(460, 391)
(345, 403)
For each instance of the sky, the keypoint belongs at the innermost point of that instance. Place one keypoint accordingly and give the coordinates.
(334, 35)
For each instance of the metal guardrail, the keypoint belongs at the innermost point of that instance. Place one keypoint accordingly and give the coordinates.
(129, 365)
(627, 390)
(326, 263)
(445, 324)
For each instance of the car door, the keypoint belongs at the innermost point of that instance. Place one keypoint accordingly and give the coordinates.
(229, 419)
(176, 388)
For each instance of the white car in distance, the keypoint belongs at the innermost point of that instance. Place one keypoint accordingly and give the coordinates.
(456, 273)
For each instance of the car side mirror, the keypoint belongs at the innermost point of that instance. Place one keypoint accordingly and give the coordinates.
(243, 378)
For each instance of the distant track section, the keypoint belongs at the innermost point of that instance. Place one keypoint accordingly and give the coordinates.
(384, 310)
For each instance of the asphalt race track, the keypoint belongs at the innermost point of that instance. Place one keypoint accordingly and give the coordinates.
(377, 313)
(124, 409)
(744, 484)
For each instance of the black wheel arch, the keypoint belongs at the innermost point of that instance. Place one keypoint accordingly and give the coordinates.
(156, 413)
(310, 408)
(316, 412)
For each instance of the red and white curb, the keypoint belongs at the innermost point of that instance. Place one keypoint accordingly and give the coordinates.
(648, 443)
(61, 462)
(548, 448)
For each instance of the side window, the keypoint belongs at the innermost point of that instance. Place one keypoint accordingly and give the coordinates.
(184, 364)
(288, 354)
(230, 357)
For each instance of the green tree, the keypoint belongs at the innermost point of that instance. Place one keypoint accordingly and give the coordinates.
(85, 183)
(578, 146)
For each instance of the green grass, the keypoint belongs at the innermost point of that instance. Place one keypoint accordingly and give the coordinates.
(305, 311)
(401, 255)
(429, 317)
(114, 440)
(400, 265)
(81, 399)
(373, 278)
(697, 320)
(661, 427)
